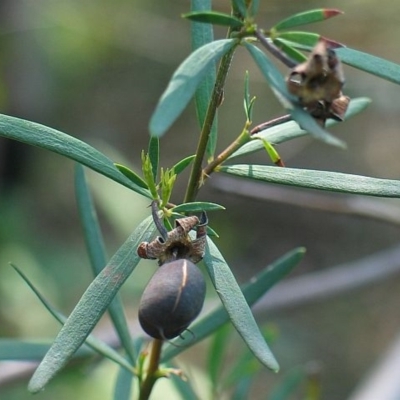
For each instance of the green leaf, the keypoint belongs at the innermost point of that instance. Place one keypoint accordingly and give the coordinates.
(184, 83)
(91, 306)
(306, 17)
(197, 206)
(242, 388)
(96, 344)
(277, 83)
(322, 180)
(236, 306)
(248, 102)
(290, 50)
(374, 65)
(201, 35)
(24, 350)
(98, 260)
(304, 38)
(181, 165)
(239, 7)
(184, 387)
(291, 381)
(215, 18)
(252, 291)
(68, 146)
(291, 130)
(90, 224)
(154, 154)
(253, 7)
(131, 175)
(245, 366)
(123, 385)
(219, 344)
(366, 62)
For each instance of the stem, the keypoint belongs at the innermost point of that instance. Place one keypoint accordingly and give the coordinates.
(152, 374)
(195, 175)
(243, 138)
(271, 123)
(274, 50)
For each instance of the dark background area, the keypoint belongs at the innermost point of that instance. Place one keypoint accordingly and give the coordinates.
(95, 70)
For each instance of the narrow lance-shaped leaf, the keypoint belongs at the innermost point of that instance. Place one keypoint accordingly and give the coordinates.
(184, 387)
(123, 385)
(307, 17)
(291, 382)
(154, 155)
(366, 62)
(291, 130)
(323, 180)
(278, 86)
(131, 175)
(66, 145)
(215, 18)
(236, 306)
(184, 83)
(197, 206)
(91, 306)
(305, 40)
(92, 342)
(239, 7)
(252, 291)
(252, 7)
(98, 260)
(24, 350)
(374, 65)
(181, 165)
(218, 348)
(242, 388)
(289, 50)
(202, 34)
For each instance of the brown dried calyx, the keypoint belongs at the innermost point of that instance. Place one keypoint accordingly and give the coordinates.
(318, 84)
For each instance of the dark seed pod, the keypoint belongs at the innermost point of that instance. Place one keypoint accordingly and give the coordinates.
(172, 299)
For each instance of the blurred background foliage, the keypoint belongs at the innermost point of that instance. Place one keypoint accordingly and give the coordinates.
(95, 70)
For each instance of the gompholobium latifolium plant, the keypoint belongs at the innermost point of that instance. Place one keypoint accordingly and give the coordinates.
(177, 233)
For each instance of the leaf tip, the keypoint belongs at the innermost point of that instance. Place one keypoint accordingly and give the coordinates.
(331, 12)
(333, 44)
(35, 386)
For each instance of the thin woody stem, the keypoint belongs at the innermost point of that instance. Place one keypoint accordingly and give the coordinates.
(152, 371)
(157, 221)
(274, 50)
(271, 123)
(243, 138)
(195, 175)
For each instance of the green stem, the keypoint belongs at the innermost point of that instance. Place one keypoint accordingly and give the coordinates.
(217, 94)
(152, 371)
(243, 138)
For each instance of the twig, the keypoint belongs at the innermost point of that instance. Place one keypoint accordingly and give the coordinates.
(152, 370)
(274, 50)
(271, 123)
(195, 174)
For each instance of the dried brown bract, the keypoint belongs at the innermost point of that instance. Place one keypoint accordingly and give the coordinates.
(318, 84)
(177, 243)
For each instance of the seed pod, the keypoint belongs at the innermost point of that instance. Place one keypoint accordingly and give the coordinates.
(172, 299)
